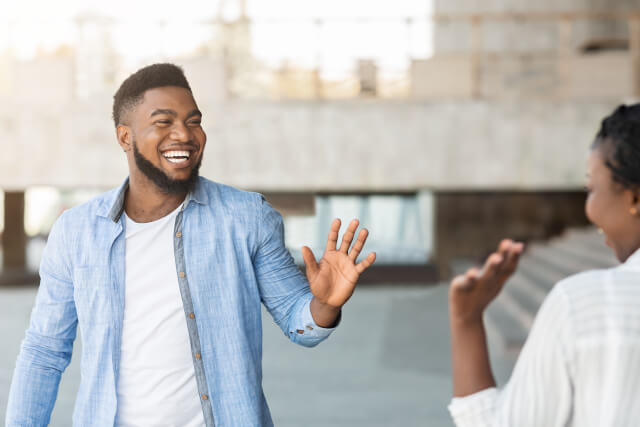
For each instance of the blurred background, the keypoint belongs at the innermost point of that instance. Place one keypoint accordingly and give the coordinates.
(442, 125)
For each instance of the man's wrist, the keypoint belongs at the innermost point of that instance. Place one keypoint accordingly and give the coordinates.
(324, 315)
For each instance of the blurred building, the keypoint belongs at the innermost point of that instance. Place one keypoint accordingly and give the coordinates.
(487, 137)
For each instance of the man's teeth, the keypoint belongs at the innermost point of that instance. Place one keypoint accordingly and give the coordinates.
(176, 156)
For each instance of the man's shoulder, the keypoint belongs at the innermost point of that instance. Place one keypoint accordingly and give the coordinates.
(226, 195)
(99, 205)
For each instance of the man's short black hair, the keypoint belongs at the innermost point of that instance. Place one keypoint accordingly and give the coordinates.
(131, 91)
(619, 141)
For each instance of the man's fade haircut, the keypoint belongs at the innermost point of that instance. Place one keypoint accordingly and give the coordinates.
(131, 91)
(619, 142)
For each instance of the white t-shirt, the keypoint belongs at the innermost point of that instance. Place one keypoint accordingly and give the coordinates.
(156, 383)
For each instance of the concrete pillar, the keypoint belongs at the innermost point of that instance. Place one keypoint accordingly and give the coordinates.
(564, 52)
(368, 77)
(14, 239)
(476, 56)
(634, 47)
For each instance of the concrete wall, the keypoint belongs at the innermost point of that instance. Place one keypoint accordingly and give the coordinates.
(53, 137)
(521, 36)
(354, 145)
(601, 75)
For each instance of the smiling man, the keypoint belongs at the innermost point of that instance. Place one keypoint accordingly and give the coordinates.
(165, 277)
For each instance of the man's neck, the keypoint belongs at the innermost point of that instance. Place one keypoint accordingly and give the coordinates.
(144, 202)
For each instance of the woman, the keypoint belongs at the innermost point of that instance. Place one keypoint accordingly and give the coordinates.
(580, 365)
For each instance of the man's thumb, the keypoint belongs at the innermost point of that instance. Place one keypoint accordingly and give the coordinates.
(309, 261)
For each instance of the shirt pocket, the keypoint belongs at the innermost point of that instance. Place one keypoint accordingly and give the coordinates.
(92, 294)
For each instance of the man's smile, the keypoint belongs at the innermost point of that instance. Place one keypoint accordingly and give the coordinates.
(180, 156)
(176, 156)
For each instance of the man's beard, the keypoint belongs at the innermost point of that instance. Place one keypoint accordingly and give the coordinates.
(160, 179)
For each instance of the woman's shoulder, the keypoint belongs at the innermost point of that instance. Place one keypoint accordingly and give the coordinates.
(596, 298)
(585, 282)
(588, 289)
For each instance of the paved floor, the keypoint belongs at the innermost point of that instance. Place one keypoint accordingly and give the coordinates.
(386, 365)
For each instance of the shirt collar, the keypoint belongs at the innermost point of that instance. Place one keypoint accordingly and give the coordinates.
(114, 204)
(634, 259)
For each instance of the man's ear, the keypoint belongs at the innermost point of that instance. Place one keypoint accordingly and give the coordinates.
(123, 133)
(635, 200)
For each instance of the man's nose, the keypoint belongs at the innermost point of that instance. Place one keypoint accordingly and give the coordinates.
(180, 132)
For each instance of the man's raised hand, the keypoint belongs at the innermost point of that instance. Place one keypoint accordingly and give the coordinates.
(334, 278)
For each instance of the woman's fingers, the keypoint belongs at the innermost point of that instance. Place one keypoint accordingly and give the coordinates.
(492, 266)
(512, 256)
(496, 269)
(460, 282)
(467, 281)
(504, 246)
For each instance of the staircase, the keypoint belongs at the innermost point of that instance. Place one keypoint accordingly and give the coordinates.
(541, 266)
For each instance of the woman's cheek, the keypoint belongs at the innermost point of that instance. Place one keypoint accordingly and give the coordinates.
(588, 208)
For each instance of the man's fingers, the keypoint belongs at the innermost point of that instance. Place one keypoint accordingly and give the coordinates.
(366, 263)
(309, 261)
(359, 244)
(332, 241)
(347, 238)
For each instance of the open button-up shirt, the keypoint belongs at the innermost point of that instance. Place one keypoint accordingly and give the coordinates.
(230, 258)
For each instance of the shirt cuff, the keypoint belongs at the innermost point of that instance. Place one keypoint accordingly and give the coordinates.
(475, 409)
(311, 328)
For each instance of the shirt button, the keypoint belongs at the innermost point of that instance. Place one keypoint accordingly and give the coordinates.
(300, 331)
(309, 327)
(181, 274)
(198, 356)
(205, 397)
(191, 315)
(178, 234)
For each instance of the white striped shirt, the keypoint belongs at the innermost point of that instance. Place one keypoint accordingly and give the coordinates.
(580, 365)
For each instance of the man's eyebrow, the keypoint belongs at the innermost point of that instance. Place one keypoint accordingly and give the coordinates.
(170, 112)
(163, 111)
(195, 112)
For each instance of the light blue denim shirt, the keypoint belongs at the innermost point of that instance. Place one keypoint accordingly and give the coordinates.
(230, 257)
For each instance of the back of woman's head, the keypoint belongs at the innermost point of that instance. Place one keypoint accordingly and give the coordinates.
(619, 143)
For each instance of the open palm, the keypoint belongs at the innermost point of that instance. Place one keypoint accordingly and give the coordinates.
(334, 278)
(472, 292)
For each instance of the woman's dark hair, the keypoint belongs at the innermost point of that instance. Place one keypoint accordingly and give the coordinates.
(619, 142)
(131, 91)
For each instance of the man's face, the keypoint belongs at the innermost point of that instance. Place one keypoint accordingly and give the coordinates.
(167, 138)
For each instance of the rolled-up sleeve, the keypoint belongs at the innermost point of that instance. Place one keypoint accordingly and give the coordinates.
(540, 390)
(283, 288)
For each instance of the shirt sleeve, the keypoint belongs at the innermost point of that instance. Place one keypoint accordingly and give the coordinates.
(283, 288)
(540, 390)
(46, 349)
